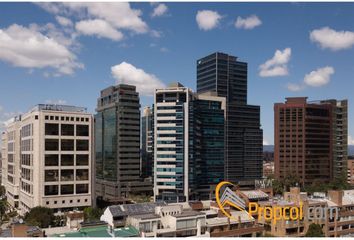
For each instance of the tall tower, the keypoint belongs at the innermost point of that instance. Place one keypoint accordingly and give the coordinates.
(117, 144)
(340, 136)
(147, 143)
(303, 138)
(227, 77)
(188, 144)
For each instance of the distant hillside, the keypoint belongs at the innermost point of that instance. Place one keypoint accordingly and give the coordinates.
(270, 148)
(350, 150)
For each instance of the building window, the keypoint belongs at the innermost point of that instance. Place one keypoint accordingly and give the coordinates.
(82, 159)
(47, 202)
(67, 145)
(51, 190)
(67, 130)
(82, 188)
(52, 129)
(82, 174)
(82, 130)
(51, 175)
(82, 145)
(51, 160)
(51, 144)
(67, 175)
(67, 189)
(67, 160)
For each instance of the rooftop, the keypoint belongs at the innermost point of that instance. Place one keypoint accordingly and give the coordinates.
(133, 209)
(58, 108)
(101, 231)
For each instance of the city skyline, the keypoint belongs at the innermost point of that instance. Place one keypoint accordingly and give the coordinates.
(92, 50)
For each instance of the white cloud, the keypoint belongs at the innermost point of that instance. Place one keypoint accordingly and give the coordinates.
(119, 14)
(277, 65)
(156, 34)
(295, 87)
(207, 19)
(57, 101)
(248, 22)
(332, 39)
(159, 10)
(100, 28)
(319, 77)
(350, 140)
(29, 48)
(65, 22)
(316, 78)
(145, 83)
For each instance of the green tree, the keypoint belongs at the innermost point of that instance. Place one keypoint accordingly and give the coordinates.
(3, 208)
(40, 216)
(92, 214)
(2, 191)
(314, 230)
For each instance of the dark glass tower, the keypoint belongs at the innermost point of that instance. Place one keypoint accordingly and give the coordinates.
(206, 146)
(117, 145)
(225, 75)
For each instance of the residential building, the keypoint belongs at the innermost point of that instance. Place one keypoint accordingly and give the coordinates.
(350, 171)
(303, 136)
(268, 169)
(117, 145)
(48, 158)
(339, 136)
(147, 143)
(189, 144)
(227, 77)
(98, 230)
(20, 230)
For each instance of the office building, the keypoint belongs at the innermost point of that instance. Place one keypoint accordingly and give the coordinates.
(117, 145)
(189, 143)
(227, 77)
(11, 171)
(339, 136)
(147, 143)
(303, 138)
(47, 158)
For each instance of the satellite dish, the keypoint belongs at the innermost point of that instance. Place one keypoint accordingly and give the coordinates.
(20, 220)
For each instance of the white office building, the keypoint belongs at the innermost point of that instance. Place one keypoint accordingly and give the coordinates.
(47, 158)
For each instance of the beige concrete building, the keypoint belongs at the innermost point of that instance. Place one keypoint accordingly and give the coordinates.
(47, 158)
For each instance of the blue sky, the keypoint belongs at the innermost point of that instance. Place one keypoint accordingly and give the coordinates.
(67, 53)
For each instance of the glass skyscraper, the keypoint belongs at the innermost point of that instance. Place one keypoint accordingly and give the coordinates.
(117, 144)
(189, 144)
(227, 77)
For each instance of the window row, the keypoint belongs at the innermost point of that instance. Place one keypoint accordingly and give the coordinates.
(66, 175)
(66, 145)
(62, 118)
(66, 160)
(52, 129)
(66, 189)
